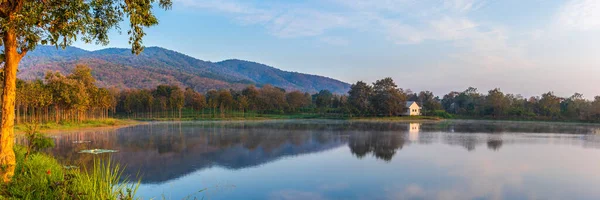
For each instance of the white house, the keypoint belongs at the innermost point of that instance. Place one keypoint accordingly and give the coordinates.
(412, 108)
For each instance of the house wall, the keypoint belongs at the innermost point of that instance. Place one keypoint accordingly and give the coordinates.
(414, 109)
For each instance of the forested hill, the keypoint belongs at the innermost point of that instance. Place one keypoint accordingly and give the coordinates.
(118, 67)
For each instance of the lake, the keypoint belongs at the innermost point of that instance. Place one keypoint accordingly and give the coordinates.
(331, 159)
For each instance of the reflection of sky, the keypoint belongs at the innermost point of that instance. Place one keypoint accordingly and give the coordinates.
(353, 160)
(436, 171)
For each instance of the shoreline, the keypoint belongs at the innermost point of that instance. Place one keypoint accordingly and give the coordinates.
(87, 125)
(115, 123)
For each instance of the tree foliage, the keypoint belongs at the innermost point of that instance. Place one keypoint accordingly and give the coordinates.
(26, 23)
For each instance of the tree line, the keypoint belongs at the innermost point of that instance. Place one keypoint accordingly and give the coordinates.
(75, 97)
(496, 104)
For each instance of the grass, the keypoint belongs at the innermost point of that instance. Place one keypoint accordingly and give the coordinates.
(79, 125)
(42, 177)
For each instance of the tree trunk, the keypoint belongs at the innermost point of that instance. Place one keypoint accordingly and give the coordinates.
(7, 132)
(56, 114)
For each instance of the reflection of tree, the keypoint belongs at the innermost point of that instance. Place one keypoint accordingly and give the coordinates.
(500, 127)
(161, 152)
(494, 144)
(164, 151)
(383, 145)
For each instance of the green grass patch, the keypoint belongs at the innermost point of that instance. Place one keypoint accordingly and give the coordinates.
(42, 177)
(65, 125)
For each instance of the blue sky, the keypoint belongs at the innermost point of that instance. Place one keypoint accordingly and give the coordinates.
(521, 46)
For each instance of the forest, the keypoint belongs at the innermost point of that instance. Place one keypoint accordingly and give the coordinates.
(75, 97)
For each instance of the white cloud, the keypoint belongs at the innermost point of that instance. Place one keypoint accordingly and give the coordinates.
(440, 23)
(580, 15)
(401, 33)
(452, 28)
(301, 23)
(218, 5)
(282, 22)
(479, 45)
(464, 5)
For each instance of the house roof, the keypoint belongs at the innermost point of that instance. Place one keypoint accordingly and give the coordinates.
(409, 103)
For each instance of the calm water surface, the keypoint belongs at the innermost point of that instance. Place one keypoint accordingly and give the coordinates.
(322, 159)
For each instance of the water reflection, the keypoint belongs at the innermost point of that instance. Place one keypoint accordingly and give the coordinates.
(167, 152)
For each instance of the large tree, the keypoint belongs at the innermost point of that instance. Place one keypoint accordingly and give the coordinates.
(323, 99)
(496, 103)
(429, 102)
(387, 98)
(359, 98)
(296, 100)
(549, 105)
(27, 23)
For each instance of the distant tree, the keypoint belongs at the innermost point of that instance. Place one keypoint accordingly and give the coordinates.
(105, 101)
(469, 102)
(595, 109)
(387, 99)
(83, 74)
(449, 102)
(496, 103)
(243, 103)
(177, 99)
(70, 95)
(225, 100)
(212, 100)
(323, 99)
(518, 106)
(359, 98)
(576, 107)
(252, 94)
(549, 105)
(194, 99)
(296, 100)
(428, 102)
(147, 101)
(271, 99)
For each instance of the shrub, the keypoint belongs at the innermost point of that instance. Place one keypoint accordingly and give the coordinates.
(442, 114)
(42, 177)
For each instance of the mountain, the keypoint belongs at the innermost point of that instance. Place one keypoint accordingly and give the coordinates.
(119, 68)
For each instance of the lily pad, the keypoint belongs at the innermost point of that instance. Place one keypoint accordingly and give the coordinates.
(70, 167)
(98, 151)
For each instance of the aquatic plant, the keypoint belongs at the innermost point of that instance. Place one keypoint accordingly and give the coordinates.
(42, 177)
(98, 151)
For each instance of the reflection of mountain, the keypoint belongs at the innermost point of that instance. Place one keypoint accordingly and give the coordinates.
(165, 151)
(160, 167)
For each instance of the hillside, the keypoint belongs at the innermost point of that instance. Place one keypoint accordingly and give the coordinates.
(118, 67)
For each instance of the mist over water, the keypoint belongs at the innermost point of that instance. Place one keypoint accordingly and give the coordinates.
(335, 159)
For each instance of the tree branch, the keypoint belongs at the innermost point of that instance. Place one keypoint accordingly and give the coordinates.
(4, 5)
(22, 54)
(18, 6)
